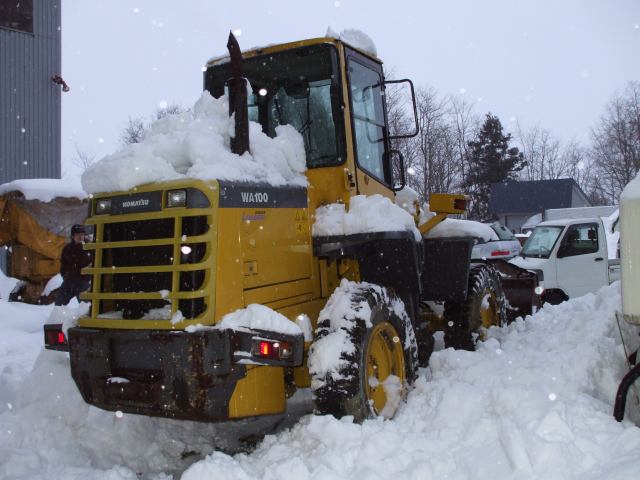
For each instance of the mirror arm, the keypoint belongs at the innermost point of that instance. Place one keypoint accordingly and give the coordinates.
(403, 179)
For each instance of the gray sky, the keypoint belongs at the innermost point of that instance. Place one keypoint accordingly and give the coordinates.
(549, 62)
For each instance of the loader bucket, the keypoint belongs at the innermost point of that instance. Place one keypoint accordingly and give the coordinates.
(519, 287)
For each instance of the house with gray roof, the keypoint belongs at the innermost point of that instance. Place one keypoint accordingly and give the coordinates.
(513, 203)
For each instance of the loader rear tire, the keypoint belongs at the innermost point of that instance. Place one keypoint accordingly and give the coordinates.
(374, 355)
(485, 306)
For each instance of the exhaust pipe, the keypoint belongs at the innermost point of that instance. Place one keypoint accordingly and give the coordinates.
(238, 98)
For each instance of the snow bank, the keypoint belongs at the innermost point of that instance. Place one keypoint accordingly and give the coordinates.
(355, 38)
(535, 401)
(7, 284)
(258, 317)
(372, 213)
(451, 227)
(44, 189)
(68, 315)
(195, 144)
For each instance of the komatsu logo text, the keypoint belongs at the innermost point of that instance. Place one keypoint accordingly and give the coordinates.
(258, 197)
(143, 202)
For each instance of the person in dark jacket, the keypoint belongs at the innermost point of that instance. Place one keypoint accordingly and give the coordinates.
(74, 258)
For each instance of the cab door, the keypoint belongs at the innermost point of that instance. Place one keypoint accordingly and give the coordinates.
(369, 126)
(581, 265)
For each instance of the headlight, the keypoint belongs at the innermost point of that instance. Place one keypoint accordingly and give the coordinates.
(176, 198)
(103, 205)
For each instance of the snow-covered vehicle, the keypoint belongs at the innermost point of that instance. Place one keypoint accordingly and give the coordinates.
(570, 257)
(228, 272)
(36, 216)
(505, 245)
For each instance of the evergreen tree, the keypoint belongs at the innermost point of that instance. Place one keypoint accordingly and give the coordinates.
(490, 161)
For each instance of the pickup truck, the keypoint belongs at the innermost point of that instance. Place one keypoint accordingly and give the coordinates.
(570, 258)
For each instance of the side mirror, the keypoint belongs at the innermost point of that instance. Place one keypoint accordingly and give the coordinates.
(397, 170)
(415, 109)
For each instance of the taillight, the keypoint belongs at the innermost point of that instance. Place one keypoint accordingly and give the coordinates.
(499, 253)
(271, 349)
(54, 338)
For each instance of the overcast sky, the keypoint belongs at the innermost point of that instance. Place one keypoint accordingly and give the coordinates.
(549, 62)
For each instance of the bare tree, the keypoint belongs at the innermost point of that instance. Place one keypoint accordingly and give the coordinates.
(133, 132)
(465, 123)
(172, 109)
(83, 159)
(136, 127)
(615, 143)
(541, 150)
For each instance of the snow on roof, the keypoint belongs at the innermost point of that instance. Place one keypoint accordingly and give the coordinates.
(355, 38)
(451, 227)
(195, 144)
(44, 189)
(373, 213)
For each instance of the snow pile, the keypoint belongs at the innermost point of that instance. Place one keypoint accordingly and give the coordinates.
(68, 315)
(451, 227)
(258, 317)
(7, 284)
(53, 283)
(44, 189)
(612, 234)
(372, 213)
(534, 401)
(355, 38)
(195, 144)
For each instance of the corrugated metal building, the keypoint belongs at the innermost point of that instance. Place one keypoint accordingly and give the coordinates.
(30, 55)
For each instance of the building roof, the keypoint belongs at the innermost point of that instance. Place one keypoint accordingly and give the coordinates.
(533, 196)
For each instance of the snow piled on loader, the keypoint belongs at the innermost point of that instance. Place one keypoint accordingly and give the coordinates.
(196, 144)
(534, 401)
(366, 214)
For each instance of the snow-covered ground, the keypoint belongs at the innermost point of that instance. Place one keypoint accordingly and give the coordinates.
(535, 401)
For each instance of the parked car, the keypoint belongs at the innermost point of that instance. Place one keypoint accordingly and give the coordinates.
(503, 245)
(570, 258)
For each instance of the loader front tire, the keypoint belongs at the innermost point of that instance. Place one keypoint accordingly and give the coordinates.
(485, 306)
(363, 358)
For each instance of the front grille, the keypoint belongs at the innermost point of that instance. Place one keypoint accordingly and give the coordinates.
(144, 274)
(139, 230)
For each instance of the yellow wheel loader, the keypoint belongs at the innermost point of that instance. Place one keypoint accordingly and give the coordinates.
(203, 249)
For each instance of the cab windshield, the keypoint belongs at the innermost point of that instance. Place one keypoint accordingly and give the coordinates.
(541, 242)
(299, 87)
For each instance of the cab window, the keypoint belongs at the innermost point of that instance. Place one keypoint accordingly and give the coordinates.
(580, 240)
(367, 110)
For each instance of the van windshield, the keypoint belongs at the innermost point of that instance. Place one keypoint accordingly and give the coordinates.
(541, 242)
(299, 87)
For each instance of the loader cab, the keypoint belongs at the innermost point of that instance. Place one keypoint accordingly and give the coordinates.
(334, 96)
